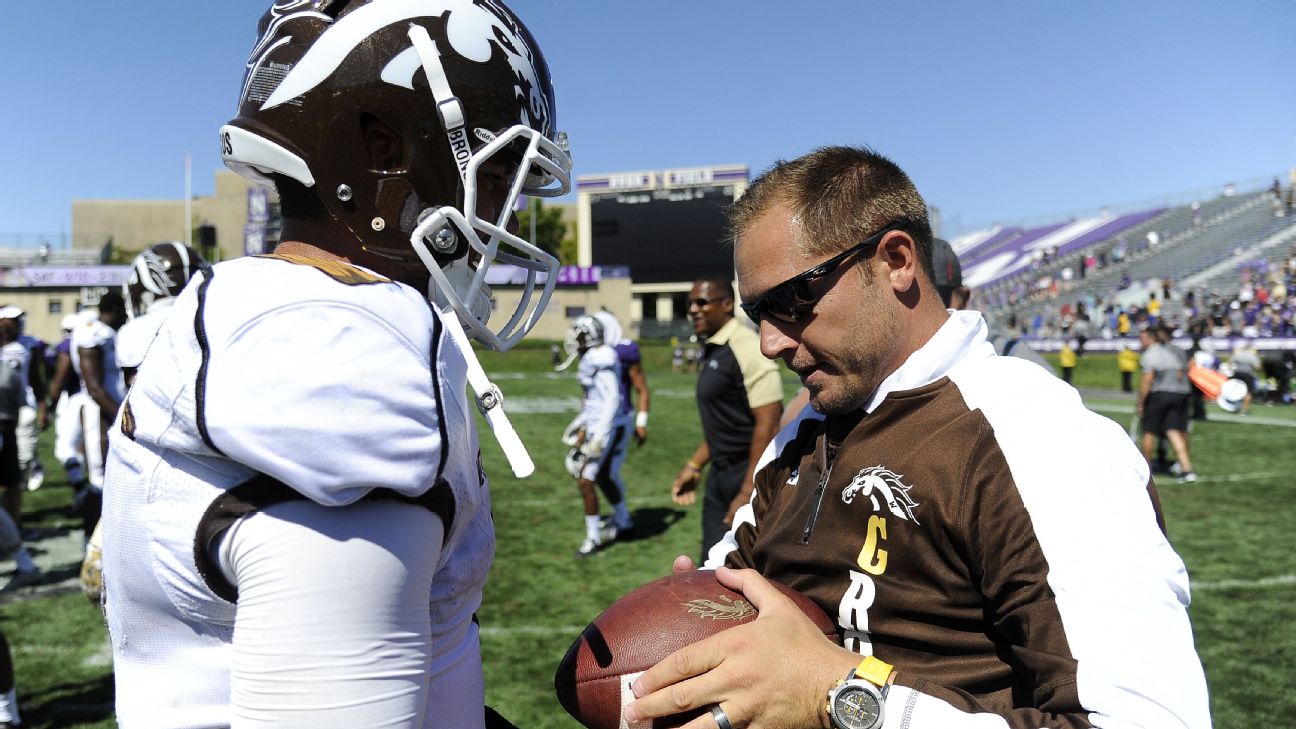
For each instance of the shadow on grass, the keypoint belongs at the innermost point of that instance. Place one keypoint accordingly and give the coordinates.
(69, 704)
(652, 522)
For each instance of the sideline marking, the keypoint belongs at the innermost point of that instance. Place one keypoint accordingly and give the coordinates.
(1279, 581)
(1214, 417)
(1202, 586)
(1237, 477)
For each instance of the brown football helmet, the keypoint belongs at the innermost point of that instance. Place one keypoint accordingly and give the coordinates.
(159, 273)
(460, 89)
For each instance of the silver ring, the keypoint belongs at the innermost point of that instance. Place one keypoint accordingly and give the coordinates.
(721, 718)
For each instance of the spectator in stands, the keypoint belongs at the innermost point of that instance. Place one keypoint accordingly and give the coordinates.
(1236, 319)
(1163, 398)
(1153, 307)
(1081, 329)
(1246, 363)
(739, 399)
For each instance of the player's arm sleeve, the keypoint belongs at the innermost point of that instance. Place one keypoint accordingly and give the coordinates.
(365, 571)
(1083, 591)
(328, 399)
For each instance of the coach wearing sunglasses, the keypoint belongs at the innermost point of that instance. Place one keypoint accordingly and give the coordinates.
(740, 401)
(992, 551)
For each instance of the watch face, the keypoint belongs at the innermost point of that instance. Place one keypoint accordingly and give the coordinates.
(855, 707)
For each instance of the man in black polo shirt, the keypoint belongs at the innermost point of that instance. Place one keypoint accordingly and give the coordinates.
(740, 399)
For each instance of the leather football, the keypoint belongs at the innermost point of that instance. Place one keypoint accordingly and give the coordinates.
(643, 627)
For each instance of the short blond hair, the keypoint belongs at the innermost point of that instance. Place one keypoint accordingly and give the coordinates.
(838, 196)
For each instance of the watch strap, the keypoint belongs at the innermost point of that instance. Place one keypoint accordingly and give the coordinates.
(874, 670)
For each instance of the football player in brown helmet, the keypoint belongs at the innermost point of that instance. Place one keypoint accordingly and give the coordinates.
(157, 276)
(297, 529)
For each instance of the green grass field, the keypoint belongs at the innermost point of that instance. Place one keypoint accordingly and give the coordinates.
(1233, 528)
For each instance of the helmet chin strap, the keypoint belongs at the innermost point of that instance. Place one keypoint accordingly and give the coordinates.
(490, 401)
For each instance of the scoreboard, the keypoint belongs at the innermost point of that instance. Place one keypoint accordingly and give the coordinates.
(666, 226)
(663, 235)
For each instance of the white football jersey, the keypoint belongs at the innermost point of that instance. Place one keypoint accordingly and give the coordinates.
(599, 375)
(15, 361)
(277, 375)
(93, 333)
(135, 336)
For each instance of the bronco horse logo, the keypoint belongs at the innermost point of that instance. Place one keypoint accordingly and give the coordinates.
(881, 480)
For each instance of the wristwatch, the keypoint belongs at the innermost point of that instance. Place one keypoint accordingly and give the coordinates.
(857, 701)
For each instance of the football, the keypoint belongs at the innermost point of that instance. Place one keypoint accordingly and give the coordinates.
(646, 625)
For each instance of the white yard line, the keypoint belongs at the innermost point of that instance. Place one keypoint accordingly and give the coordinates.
(1214, 417)
(1197, 586)
(1230, 478)
(1262, 582)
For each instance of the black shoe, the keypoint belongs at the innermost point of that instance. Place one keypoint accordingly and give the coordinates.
(23, 579)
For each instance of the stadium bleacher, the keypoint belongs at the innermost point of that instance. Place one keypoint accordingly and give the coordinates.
(1200, 248)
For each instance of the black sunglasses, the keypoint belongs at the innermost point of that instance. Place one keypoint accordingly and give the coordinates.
(793, 299)
(701, 301)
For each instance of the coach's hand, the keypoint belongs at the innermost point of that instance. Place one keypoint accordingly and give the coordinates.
(772, 673)
(684, 489)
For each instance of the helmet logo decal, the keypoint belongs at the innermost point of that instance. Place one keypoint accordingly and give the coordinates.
(281, 12)
(474, 30)
(151, 272)
(522, 60)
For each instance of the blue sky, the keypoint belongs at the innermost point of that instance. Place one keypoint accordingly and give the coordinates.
(1000, 111)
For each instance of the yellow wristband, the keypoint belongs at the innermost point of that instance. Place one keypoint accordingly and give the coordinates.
(874, 670)
(694, 466)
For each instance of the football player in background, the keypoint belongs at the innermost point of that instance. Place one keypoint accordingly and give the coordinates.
(634, 383)
(13, 363)
(28, 432)
(66, 396)
(599, 433)
(157, 277)
(33, 382)
(94, 359)
(297, 529)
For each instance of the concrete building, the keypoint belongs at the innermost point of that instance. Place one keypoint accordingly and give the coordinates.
(133, 225)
